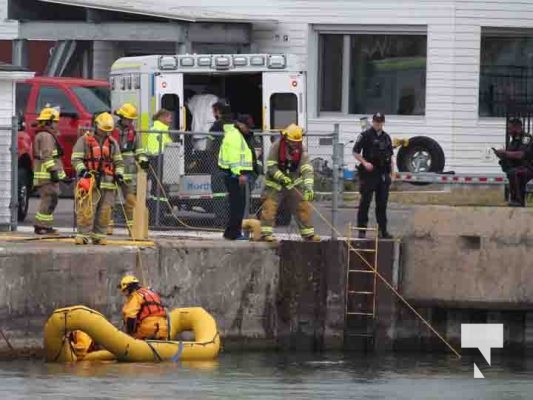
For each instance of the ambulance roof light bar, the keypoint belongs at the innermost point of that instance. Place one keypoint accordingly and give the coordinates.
(168, 63)
(277, 62)
(222, 62)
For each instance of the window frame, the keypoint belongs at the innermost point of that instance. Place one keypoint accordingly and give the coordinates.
(497, 32)
(347, 31)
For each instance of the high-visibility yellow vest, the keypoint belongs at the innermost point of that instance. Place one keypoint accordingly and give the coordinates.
(234, 154)
(152, 142)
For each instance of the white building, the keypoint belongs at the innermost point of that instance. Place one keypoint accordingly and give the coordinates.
(9, 74)
(438, 68)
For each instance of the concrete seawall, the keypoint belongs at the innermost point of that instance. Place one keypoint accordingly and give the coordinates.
(454, 265)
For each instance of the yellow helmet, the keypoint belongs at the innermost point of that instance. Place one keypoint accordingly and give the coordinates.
(126, 281)
(127, 110)
(48, 114)
(105, 122)
(294, 133)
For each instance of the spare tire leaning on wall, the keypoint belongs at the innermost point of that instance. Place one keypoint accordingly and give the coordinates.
(422, 154)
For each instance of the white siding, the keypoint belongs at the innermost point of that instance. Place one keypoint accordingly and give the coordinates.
(104, 55)
(6, 111)
(453, 28)
(8, 29)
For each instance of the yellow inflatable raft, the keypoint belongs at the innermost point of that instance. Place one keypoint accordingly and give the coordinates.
(122, 347)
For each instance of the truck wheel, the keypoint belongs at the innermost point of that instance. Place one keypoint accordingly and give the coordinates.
(24, 190)
(423, 154)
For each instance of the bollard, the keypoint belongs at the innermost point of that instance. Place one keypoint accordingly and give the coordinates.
(335, 183)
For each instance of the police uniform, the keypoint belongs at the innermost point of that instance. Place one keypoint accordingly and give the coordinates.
(520, 175)
(376, 148)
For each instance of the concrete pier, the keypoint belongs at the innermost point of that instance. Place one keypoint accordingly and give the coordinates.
(454, 265)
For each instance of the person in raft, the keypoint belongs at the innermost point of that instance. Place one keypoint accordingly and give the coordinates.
(143, 313)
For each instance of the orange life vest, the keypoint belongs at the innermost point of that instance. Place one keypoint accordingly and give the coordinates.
(99, 158)
(152, 306)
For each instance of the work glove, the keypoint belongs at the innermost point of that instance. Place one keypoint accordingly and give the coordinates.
(309, 195)
(285, 180)
(144, 164)
(119, 179)
(54, 176)
(84, 174)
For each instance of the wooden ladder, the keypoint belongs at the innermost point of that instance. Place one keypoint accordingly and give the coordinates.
(361, 288)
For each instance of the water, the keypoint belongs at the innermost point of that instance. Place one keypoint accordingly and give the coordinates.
(271, 376)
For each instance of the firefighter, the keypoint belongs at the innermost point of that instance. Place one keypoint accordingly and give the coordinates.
(373, 149)
(143, 313)
(47, 169)
(99, 165)
(290, 174)
(132, 152)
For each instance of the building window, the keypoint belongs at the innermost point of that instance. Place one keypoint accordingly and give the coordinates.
(384, 72)
(506, 73)
(331, 72)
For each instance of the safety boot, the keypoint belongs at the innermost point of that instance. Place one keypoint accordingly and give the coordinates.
(267, 238)
(80, 240)
(41, 230)
(110, 229)
(99, 241)
(311, 238)
(385, 235)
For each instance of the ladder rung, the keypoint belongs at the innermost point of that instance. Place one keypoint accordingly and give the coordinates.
(360, 271)
(358, 292)
(360, 313)
(364, 229)
(363, 250)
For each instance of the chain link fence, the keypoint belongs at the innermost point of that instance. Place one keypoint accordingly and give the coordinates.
(186, 188)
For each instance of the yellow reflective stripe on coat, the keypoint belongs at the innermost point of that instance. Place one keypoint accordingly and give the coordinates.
(48, 164)
(267, 230)
(305, 168)
(273, 184)
(271, 163)
(78, 155)
(127, 154)
(278, 175)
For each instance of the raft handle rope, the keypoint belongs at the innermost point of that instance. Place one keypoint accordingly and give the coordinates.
(385, 281)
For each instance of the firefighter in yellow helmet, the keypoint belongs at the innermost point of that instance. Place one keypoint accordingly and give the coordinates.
(99, 165)
(290, 174)
(132, 153)
(143, 313)
(47, 169)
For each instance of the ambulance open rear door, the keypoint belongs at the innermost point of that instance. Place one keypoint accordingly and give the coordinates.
(284, 100)
(168, 89)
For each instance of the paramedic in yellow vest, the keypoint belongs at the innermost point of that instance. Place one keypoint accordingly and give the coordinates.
(289, 173)
(47, 169)
(132, 153)
(235, 159)
(155, 147)
(99, 165)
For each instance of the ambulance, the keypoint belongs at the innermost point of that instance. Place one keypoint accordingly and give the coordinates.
(271, 88)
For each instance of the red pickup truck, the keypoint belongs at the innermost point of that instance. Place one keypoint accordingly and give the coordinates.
(78, 100)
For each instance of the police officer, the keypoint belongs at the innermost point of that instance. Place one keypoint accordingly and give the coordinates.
(519, 141)
(517, 162)
(373, 150)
